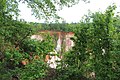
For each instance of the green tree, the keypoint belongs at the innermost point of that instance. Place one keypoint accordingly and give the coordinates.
(95, 54)
(40, 8)
(14, 34)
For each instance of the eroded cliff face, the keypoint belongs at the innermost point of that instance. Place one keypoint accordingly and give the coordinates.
(61, 39)
(63, 43)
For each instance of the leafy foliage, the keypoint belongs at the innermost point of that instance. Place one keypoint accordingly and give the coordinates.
(23, 60)
(44, 9)
(95, 54)
(14, 60)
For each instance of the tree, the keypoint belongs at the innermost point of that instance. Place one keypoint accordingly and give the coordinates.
(40, 8)
(96, 53)
(14, 59)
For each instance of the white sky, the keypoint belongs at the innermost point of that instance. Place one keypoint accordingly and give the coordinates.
(72, 14)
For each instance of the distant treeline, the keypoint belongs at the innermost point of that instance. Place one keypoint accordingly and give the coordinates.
(56, 26)
(69, 27)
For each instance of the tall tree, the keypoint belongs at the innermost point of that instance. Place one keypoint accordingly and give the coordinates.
(96, 51)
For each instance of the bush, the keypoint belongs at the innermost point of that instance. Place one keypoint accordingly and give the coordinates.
(19, 62)
(95, 54)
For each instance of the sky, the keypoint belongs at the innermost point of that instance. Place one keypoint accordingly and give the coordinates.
(73, 14)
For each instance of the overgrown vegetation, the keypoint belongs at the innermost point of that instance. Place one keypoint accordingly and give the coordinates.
(96, 53)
